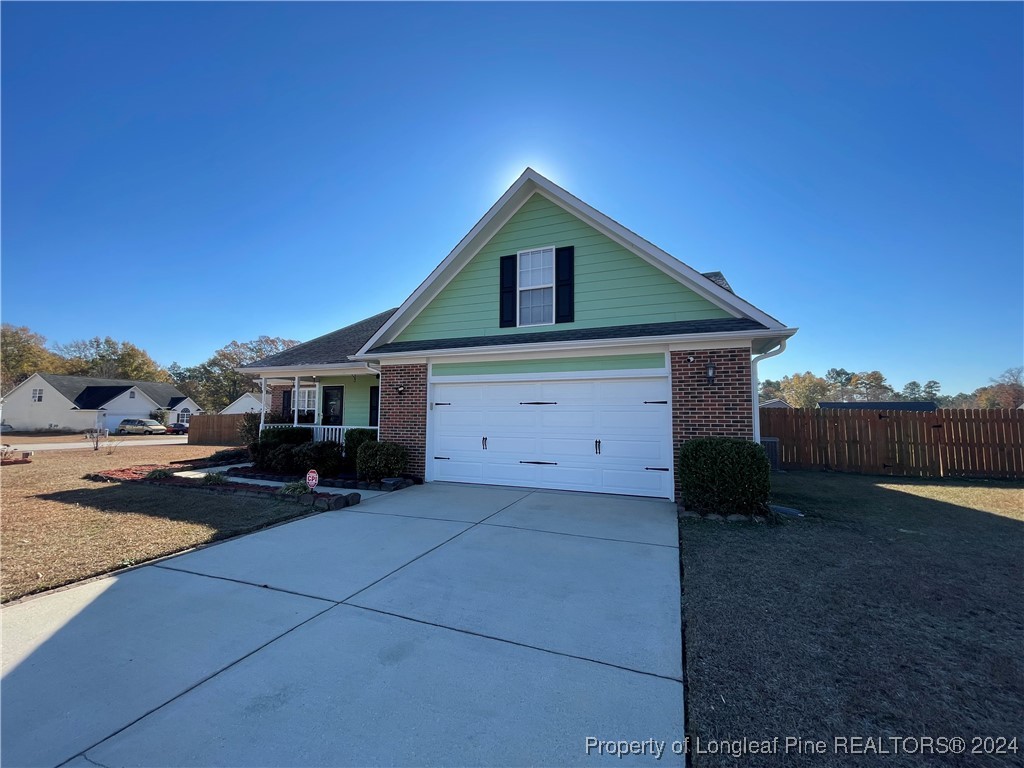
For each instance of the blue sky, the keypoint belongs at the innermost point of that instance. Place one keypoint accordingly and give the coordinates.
(181, 175)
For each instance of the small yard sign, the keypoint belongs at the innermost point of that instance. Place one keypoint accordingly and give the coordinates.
(312, 478)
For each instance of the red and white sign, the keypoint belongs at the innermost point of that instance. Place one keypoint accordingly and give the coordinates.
(312, 478)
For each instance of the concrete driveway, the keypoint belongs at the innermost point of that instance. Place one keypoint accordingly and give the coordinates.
(439, 625)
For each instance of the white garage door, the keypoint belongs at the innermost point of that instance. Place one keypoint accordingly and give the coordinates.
(603, 435)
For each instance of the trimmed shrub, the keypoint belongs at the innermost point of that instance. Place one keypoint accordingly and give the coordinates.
(355, 438)
(214, 478)
(377, 460)
(324, 457)
(287, 436)
(297, 488)
(724, 475)
(159, 474)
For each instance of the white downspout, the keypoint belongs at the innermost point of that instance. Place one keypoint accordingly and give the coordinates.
(263, 402)
(754, 386)
(295, 403)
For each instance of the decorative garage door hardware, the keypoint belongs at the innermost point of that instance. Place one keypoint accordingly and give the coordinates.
(443, 458)
(538, 403)
(483, 443)
(655, 402)
(442, 403)
(597, 447)
(656, 469)
(549, 463)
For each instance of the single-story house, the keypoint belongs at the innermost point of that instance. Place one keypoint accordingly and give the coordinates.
(775, 402)
(552, 348)
(923, 406)
(46, 401)
(247, 403)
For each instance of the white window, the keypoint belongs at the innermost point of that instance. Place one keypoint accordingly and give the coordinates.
(131, 395)
(184, 415)
(537, 287)
(37, 395)
(307, 399)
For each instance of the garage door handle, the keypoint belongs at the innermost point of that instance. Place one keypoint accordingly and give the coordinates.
(656, 469)
(550, 463)
(483, 443)
(597, 447)
(538, 403)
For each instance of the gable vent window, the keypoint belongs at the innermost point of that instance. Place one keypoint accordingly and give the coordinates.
(37, 395)
(537, 287)
(131, 395)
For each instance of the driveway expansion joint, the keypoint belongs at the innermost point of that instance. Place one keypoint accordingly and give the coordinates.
(579, 535)
(513, 642)
(248, 584)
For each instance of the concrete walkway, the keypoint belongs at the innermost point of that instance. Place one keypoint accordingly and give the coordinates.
(439, 625)
(199, 473)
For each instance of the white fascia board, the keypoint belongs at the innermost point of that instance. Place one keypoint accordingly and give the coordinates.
(529, 182)
(286, 371)
(548, 354)
(495, 218)
(681, 341)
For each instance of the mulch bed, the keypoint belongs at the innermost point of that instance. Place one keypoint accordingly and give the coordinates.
(138, 474)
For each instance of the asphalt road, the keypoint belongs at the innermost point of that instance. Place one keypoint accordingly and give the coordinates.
(82, 444)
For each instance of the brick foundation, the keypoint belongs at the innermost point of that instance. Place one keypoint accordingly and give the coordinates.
(403, 415)
(700, 409)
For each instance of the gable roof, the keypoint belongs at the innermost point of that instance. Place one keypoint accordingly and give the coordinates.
(528, 184)
(330, 349)
(91, 394)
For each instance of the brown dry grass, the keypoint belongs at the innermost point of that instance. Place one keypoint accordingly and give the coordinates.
(31, 438)
(895, 608)
(56, 528)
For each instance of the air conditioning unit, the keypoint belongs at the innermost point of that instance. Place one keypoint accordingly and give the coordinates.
(771, 449)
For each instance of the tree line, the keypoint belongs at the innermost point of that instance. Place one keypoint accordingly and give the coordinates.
(213, 384)
(806, 390)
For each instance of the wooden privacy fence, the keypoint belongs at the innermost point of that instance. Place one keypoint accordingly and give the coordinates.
(215, 429)
(945, 443)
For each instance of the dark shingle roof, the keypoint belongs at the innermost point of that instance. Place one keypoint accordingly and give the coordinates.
(578, 334)
(719, 279)
(334, 347)
(89, 393)
(903, 405)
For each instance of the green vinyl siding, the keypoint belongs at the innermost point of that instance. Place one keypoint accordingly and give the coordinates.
(357, 397)
(555, 365)
(612, 286)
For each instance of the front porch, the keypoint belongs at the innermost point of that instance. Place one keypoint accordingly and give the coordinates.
(330, 405)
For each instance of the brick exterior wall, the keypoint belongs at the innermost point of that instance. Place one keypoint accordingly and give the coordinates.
(699, 409)
(403, 415)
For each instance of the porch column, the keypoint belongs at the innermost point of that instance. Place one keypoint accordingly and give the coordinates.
(316, 403)
(263, 401)
(295, 404)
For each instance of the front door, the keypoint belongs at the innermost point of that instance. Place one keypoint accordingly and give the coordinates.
(333, 407)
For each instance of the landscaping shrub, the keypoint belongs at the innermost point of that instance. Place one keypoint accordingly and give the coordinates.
(249, 429)
(724, 475)
(355, 438)
(230, 456)
(324, 457)
(214, 478)
(297, 488)
(377, 460)
(159, 474)
(287, 435)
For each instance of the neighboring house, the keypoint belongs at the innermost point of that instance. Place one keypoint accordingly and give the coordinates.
(46, 401)
(776, 402)
(247, 403)
(883, 405)
(553, 348)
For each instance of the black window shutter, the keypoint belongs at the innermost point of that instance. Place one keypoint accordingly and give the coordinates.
(507, 304)
(286, 403)
(565, 289)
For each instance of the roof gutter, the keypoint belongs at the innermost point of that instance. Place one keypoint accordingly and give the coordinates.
(754, 386)
(695, 338)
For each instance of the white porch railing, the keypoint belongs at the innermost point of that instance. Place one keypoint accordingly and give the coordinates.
(321, 432)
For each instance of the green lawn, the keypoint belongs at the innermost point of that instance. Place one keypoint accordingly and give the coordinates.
(895, 608)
